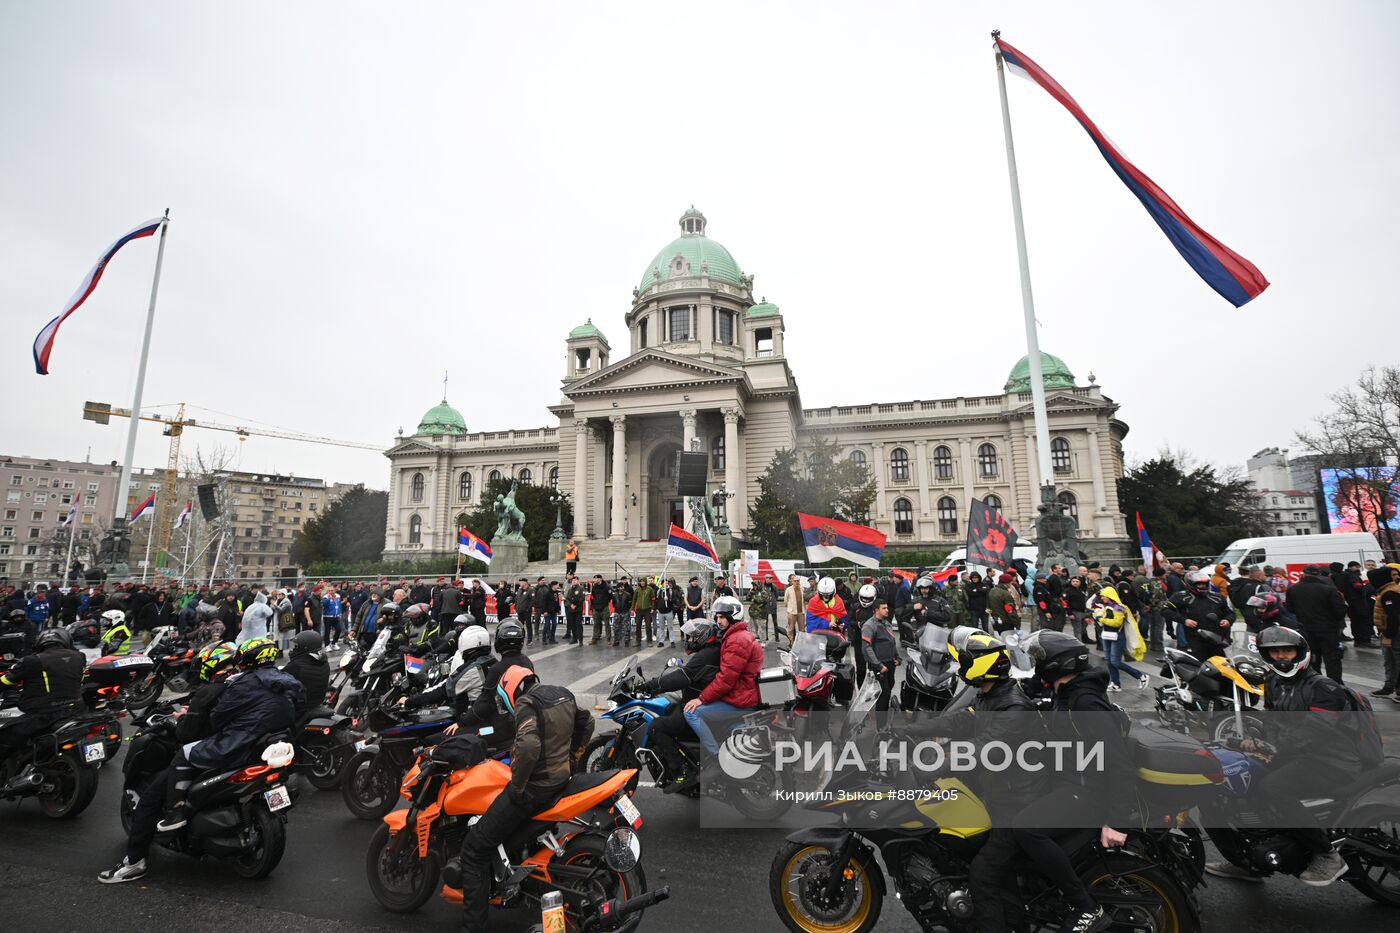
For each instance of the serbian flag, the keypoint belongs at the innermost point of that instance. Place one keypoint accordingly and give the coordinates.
(144, 507)
(72, 514)
(827, 538)
(185, 513)
(1151, 557)
(683, 545)
(472, 546)
(1229, 273)
(412, 665)
(43, 344)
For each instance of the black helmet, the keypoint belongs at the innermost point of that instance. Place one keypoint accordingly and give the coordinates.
(18, 615)
(1056, 654)
(510, 637)
(389, 610)
(50, 637)
(697, 633)
(308, 640)
(205, 611)
(1277, 636)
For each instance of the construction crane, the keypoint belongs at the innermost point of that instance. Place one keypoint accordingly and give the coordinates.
(102, 413)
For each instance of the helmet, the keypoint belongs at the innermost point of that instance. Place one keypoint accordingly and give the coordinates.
(309, 640)
(1266, 605)
(1056, 654)
(389, 611)
(510, 637)
(416, 615)
(697, 633)
(515, 681)
(50, 637)
(257, 651)
(826, 586)
(462, 619)
(473, 642)
(205, 611)
(923, 583)
(728, 606)
(1277, 636)
(1198, 581)
(215, 659)
(17, 615)
(112, 618)
(980, 657)
(866, 594)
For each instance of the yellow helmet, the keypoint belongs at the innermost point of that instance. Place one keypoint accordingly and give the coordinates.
(257, 651)
(980, 656)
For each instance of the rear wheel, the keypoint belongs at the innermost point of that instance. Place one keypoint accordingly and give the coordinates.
(145, 691)
(400, 880)
(369, 789)
(756, 797)
(585, 852)
(797, 883)
(1376, 876)
(268, 835)
(325, 764)
(1138, 895)
(69, 786)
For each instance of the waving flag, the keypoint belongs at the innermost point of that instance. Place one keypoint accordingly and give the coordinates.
(184, 515)
(472, 546)
(72, 513)
(991, 541)
(827, 538)
(1151, 557)
(144, 507)
(1229, 273)
(683, 545)
(43, 344)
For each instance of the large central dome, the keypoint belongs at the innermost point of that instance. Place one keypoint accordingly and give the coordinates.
(689, 254)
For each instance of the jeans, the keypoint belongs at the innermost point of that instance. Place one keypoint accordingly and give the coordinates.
(663, 626)
(706, 713)
(1113, 654)
(548, 625)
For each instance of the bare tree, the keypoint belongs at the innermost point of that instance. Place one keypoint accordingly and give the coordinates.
(211, 465)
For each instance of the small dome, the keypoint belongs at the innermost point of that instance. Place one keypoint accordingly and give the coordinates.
(442, 419)
(1053, 371)
(764, 308)
(689, 254)
(586, 329)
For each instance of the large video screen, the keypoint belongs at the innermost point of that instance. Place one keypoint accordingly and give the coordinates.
(1362, 499)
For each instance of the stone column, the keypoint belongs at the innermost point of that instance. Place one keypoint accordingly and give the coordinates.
(733, 476)
(597, 521)
(687, 427)
(1015, 502)
(581, 477)
(391, 525)
(1096, 471)
(965, 450)
(880, 468)
(619, 477)
(921, 452)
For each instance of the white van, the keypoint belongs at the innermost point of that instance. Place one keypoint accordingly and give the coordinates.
(1294, 552)
(958, 558)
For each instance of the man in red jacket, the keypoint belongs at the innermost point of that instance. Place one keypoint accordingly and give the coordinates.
(734, 690)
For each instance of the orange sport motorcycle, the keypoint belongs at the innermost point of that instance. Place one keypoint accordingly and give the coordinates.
(585, 846)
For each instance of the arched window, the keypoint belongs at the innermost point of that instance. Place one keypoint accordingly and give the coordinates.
(858, 456)
(947, 516)
(415, 530)
(1071, 505)
(987, 460)
(1059, 455)
(554, 478)
(717, 453)
(525, 476)
(903, 517)
(464, 486)
(993, 501)
(495, 475)
(417, 487)
(942, 462)
(899, 465)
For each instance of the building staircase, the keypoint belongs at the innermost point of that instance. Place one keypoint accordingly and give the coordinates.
(611, 558)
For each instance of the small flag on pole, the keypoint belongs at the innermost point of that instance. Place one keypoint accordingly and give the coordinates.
(72, 513)
(185, 513)
(43, 344)
(472, 546)
(827, 538)
(144, 507)
(1151, 557)
(683, 545)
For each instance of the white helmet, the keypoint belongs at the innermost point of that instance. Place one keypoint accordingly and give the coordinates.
(826, 586)
(112, 618)
(867, 594)
(474, 642)
(728, 606)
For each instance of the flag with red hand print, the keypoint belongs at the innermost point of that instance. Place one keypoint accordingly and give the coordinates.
(991, 541)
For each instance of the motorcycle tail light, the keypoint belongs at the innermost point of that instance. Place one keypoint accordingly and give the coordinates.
(248, 774)
(272, 776)
(96, 729)
(325, 731)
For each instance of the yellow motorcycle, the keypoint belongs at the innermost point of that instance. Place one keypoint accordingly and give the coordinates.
(1216, 696)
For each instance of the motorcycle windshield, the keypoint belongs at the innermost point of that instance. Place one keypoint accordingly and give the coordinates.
(377, 649)
(933, 648)
(808, 653)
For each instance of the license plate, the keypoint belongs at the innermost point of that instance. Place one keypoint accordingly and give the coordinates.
(629, 811)
(362, 744)
(277, 798)
(95, 752)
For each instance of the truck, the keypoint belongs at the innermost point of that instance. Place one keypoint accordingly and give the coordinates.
(1294, 552)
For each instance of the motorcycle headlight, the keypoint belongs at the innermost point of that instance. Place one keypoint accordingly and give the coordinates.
(347, 659)
(623, 850)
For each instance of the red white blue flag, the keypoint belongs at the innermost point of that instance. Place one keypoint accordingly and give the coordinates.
(185, 513)
(72, 514)
(683, 545)
(1229, 273)
(144, 507)
(43, 344)
(1151, 557)
(828, 538)
(472, 546)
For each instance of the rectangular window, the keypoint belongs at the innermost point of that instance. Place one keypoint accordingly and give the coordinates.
(763, 342)
(33, 533)
(68, 484)
(12, 497)
(4, 549)
(89, 500)
(66, 498)
(7, 532)
(28, 566)
(92, 487)
(679, 321)
(31, 549)
(16, 480)
(724, 331)
(37, 517)
(84, 535)
(642, 334)
(11, 514)
(87, 518)
(41, 497)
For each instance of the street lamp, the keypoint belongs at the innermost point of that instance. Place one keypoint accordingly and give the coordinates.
(558, 498)
(718, 498)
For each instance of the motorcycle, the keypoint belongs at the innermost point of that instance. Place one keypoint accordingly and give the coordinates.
(60, 765)
(370, 778)
(931, 678)
(325, 741)
(238, 814)
(86, 633)
(820, 673)
(585, 846)
(172, 660)
(1215, 695)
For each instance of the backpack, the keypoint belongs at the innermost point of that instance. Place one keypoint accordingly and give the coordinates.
(1369, 746)
(286, 621)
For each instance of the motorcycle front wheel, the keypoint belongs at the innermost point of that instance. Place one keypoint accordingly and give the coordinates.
(145, 692)
(369, 789)
(797, 884)
(269, 841)
(609, 752)
(69, 786)
(1138, 894)
(1376, 876)
(400, 881)
(586, 852)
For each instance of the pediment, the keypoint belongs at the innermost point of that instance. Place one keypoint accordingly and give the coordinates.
(1064, 401)
(654, 369)
(409, 447)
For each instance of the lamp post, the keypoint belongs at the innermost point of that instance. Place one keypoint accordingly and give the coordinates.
(558, 498)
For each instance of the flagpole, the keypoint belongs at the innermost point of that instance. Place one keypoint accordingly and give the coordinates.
(119, 518)
(1042, 424)
(146, 566)
(185, 560)
(68, 558)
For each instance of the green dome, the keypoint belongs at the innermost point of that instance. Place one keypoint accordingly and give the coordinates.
(442, 419)
(695, 251)
(764, 308)
(586, 329)
(1053, 371)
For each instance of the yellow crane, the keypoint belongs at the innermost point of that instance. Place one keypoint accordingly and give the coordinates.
(102, 413)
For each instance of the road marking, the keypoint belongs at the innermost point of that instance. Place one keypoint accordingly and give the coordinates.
(550, 652)
(603, 675)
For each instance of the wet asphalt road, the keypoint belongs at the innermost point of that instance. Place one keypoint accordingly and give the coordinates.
(718, 878)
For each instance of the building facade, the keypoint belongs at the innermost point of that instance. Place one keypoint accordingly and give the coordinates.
(706, 369)
(38, 496)
(1286, 491)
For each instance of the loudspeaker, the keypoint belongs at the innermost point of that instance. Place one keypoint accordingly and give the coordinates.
(691, 467)
(208, 502)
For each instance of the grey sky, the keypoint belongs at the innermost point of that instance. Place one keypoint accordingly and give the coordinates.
(364, 195)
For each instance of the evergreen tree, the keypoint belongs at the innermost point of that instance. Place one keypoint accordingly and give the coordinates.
(816, 480)
(1190, 510)
(349, 529)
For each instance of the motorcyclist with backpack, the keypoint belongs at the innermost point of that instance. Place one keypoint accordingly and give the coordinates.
(701, 638)
(50, 683)
(308, 665)
(465, 685)
(484, 711)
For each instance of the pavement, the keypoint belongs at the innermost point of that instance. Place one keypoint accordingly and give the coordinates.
(718, 878)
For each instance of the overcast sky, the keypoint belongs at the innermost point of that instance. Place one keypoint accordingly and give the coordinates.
(364, 195)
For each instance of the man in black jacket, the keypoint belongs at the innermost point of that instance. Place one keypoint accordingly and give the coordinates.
(50, 682)
(1318, 606)
(601, 618)
(447, 602)
(701, 638)
(1355, 593)
(309, 666)
(880, 649)
(1203, 614)
(510, 639)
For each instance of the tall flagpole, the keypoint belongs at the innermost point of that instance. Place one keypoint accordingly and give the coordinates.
(68, 559)
(185, 561)
(119, 518)
(1042, 423)
(146, 564)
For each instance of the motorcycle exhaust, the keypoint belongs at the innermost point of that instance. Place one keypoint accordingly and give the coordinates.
(22, 785)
